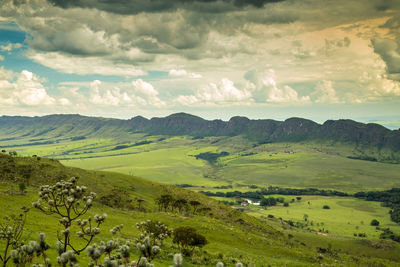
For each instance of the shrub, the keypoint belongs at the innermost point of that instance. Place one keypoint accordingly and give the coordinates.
(11, 230)
(375, 222)
(69, 202)
(187, 238)
(326, 207)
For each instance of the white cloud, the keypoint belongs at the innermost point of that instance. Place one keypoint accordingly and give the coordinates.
(1, 58)
(325, 93)
(145, 94)
(223, 92)
(266, 89)
(10, 46)
(136, 93)
(85, 65)
(182, 72)
(175, 72)
(25, 89)
(102, 96)
(64, 101)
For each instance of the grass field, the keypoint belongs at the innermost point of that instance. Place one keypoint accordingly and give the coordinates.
(232, 235)
(229, 239)
(345, 217)
(171, 160)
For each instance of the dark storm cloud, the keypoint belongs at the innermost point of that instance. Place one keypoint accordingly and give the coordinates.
(383, 5)
(137, 6)
(389, 49)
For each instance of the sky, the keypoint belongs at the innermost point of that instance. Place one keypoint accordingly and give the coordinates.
(317, 59)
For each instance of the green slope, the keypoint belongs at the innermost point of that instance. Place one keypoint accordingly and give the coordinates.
(173, 160)
(232, 235)
(372, 140)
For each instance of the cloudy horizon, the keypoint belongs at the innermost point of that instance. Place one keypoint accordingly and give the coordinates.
(212, 58)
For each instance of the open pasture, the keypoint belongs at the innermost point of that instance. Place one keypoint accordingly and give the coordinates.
(345, 216)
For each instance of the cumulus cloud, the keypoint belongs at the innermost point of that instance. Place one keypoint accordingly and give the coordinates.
(325, 93)
(85, 65)
(389, 50)
(106, 97)
(181, 72)
(137, 93)
(10, 46)
(223, 92)
(266, 89)
(145, 94)
(23, 88)
(175, 72)
(307, 42)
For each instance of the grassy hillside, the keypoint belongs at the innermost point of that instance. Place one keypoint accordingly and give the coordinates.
(372, 141)
(175, 160)
(232, 235)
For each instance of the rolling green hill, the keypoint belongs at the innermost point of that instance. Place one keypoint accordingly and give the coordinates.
(374, 141)
(233, 235)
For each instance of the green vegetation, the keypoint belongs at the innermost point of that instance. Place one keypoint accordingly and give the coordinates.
(304, 176)
(173, 161)
(255, 242)
(345, 217)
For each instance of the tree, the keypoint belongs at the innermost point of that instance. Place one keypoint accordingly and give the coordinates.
(164, 201)
(180, 204)
(139, 201)
(326, 207)
(22, 187)
(298, 198)
(187, 238)
(69, 202)
(157, 231)
(25, 254)
(11, 230)
(375, 222)
(152, 235)
(194, 204)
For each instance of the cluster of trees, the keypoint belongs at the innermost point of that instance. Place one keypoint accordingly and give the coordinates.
(389, 198)
(271, 201)
(211, 157)
(145, 142)
(168, 202)
(274, 190)
(250, 194)
(19, 174)
(388, 234)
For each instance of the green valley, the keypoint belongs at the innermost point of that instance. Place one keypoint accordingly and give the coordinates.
(297, 231)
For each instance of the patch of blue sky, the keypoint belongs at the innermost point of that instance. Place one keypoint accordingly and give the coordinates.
(17, 61)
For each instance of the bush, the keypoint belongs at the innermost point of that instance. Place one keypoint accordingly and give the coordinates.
(286, 204)
(375, 222)
(186, 237)
(326, 207)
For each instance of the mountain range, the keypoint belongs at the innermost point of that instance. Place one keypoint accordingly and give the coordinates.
(262, 131)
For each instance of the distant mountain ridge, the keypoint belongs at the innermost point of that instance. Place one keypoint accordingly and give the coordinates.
(263, 130)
